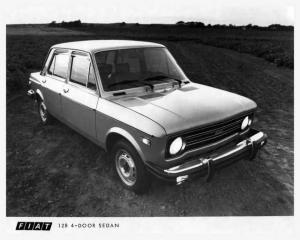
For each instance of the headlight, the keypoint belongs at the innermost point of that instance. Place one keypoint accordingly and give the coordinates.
(176, 146)
(245, 123)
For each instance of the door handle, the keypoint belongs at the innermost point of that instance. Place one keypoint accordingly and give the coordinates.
(66, 90)
(44, 81)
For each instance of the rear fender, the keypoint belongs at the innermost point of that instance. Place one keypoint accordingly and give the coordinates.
(39, 94)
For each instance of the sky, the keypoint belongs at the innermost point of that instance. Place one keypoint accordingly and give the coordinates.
(237, 12)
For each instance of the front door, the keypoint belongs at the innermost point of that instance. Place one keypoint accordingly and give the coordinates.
(79, 96)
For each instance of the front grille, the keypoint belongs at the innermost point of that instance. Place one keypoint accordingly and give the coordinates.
(200, 137)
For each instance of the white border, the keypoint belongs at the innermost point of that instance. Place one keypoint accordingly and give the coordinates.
(154, 227)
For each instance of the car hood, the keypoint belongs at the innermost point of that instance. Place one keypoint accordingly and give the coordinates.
(193, 105)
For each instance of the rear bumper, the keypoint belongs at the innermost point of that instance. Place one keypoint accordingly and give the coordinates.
(31, 93)
(206, 165)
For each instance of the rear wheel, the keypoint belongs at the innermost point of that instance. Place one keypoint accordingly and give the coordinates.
(130, 168)
(45, 117)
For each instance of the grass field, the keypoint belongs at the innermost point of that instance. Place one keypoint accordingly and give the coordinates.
(53, 171)
(27, 45)
(274, 46)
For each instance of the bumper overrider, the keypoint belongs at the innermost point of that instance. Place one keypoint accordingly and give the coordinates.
(199, 165)
(31, 93)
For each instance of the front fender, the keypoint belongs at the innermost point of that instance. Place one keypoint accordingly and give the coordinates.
(129, 137)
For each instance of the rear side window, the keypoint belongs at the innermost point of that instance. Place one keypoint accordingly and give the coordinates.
(59, 65)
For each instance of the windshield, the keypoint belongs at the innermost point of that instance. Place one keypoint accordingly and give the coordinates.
(127, 68)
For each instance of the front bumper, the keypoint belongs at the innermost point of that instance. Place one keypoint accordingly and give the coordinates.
(206, 165)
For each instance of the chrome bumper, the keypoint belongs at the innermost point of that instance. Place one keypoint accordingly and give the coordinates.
(250, 146)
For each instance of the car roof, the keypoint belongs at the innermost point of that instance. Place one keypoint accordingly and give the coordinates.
(98, 45)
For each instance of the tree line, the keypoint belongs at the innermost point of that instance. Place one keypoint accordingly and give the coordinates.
(78, 23)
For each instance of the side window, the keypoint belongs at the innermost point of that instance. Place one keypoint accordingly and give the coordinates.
(80, 70)
(59, 65)
(92, 79)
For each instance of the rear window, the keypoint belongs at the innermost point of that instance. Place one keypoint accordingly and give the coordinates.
(59, 65)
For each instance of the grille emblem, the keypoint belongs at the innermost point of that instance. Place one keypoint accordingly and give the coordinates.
(218, 132)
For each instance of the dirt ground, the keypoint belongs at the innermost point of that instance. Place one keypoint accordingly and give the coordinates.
(53, 171)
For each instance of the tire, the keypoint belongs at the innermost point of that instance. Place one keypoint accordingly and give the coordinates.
(45, 117)
(130, 167)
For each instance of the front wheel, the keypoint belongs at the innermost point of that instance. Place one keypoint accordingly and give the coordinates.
(130, 168)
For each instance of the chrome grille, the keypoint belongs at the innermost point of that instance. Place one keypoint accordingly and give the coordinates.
(200, 137)
(210, 134)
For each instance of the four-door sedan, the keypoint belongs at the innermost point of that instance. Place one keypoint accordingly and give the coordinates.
(132, 99)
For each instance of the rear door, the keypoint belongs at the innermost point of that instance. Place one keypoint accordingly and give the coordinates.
(54, 80)
(80, 96)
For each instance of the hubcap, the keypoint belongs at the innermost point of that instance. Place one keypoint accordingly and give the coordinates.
(126, 167)
(43, 111)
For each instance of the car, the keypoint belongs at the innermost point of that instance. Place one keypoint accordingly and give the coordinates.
(132, 99)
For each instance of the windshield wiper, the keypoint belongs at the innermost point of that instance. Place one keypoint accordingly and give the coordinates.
(132, 82)
(159, 77)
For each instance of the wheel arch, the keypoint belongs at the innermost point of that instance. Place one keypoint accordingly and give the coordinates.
(116, 134)
(39, 95)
